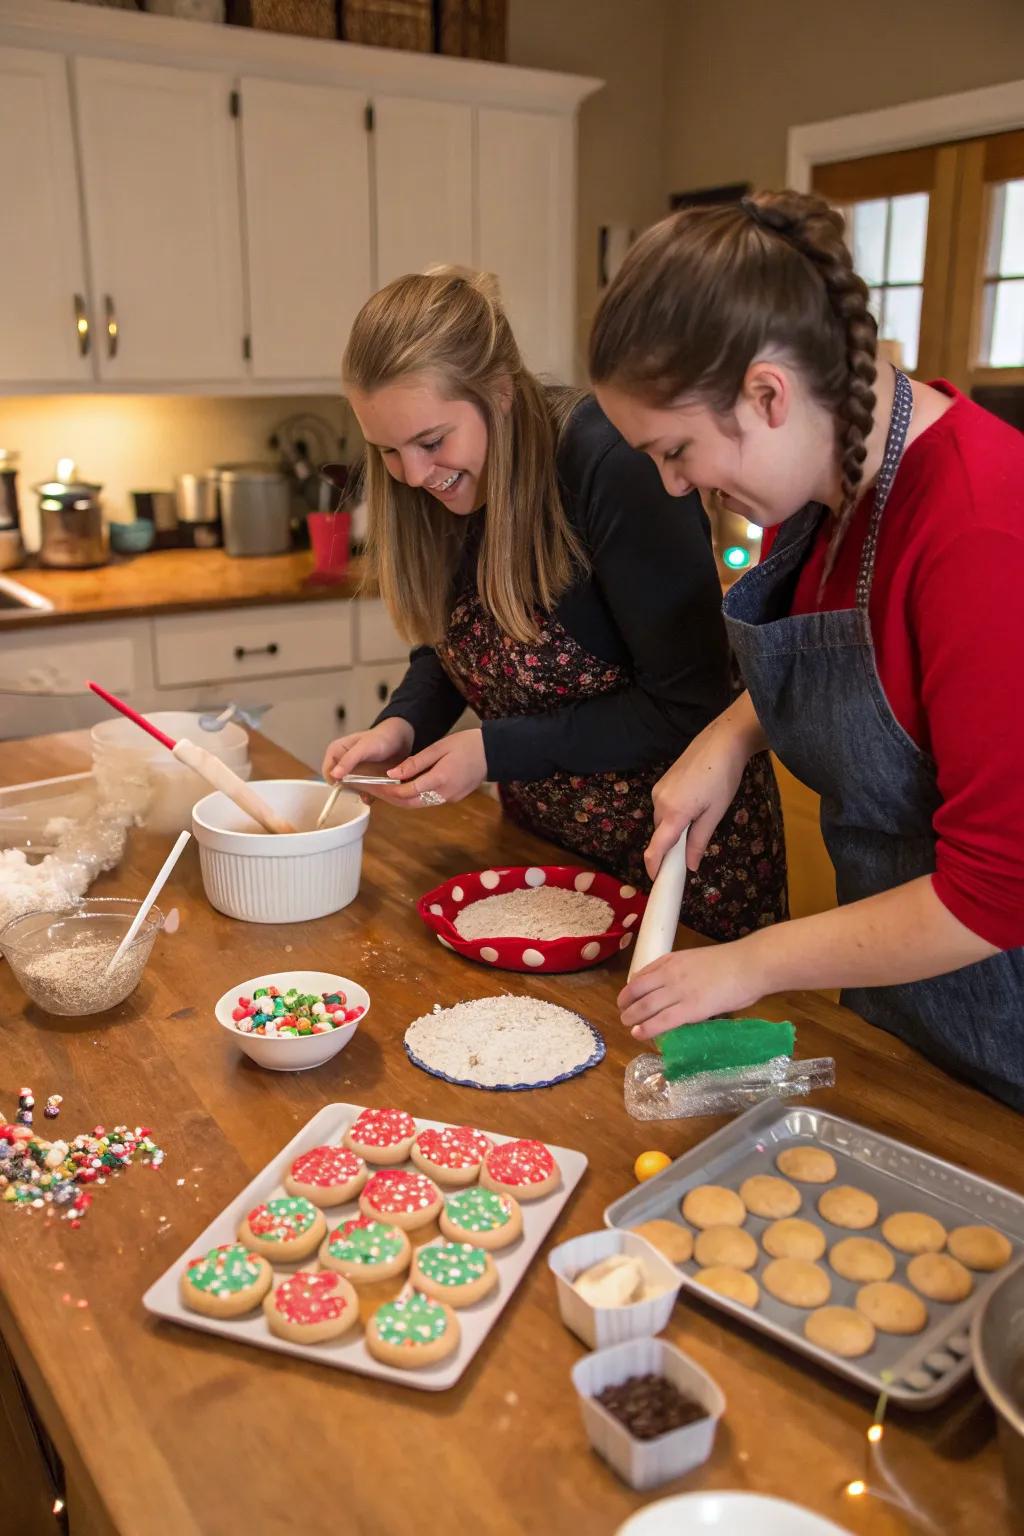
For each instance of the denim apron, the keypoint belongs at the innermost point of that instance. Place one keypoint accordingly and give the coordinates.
(815, 686)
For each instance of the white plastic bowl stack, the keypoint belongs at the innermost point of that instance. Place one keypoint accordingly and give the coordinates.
(119, 746)
(266, 877)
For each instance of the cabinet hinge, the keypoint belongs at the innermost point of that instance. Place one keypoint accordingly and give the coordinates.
(247, 348)
(235, 102)
(369, 117)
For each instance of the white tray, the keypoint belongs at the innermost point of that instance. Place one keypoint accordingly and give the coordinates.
(350, 1353)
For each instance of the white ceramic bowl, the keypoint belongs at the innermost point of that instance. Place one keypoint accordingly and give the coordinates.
(600, 1327)
(120, 747)
(646, 1463)
(730, 1514)
(266, 877)
(230, 744)
(290, 1054)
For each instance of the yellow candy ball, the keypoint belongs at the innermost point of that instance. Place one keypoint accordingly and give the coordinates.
(650, 1163)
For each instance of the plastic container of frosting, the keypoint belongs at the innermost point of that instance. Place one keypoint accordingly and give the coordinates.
(599, 1326)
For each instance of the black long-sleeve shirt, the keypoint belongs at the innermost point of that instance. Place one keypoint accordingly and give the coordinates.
(651, 603)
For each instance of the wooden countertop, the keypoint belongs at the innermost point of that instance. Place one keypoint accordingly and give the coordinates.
(167, 1432)
(173, 581)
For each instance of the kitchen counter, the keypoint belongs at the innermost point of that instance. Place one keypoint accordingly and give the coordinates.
(166, 1432)
(174, 581)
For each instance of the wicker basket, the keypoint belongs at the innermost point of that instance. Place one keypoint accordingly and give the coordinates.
(389, 24)
(302, 18)
(474, 29)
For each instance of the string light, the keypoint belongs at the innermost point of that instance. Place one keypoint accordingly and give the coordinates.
(58, 1506)
(875, 1433)
(856, 1489)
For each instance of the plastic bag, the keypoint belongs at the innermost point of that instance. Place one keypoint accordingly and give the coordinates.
(649, 1097)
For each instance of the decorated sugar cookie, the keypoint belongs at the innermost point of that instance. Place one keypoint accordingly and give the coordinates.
(407, 1200)
(225, 1282)
(525, 1169)
(284, 1229)
(453, 1155)
(481, 1216)
(309, 1309)
(458, 1273)
(382, 1136)
(365, 1250)
(412, 1331)
(327, 1175)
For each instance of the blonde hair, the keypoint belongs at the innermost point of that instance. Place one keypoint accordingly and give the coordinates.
(449, 323)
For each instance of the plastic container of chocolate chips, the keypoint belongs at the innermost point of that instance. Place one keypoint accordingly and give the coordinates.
(647, 1463)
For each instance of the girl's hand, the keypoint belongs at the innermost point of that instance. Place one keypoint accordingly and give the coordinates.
(700, 785)
(690, 986)
(452, 768)
(383, 743)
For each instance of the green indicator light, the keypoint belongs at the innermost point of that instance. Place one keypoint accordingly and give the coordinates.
(736, 557)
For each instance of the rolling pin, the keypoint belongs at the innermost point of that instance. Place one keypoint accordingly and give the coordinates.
(661, 917)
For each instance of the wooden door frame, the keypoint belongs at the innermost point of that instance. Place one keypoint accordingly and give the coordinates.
(968, 114)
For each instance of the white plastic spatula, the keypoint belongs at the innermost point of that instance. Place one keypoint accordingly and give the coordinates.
(151, 896)
(661, 917)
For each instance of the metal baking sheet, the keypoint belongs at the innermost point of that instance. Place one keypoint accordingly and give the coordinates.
(350, 1353)
(921, 1370)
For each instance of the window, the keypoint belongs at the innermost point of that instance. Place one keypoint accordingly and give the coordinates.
(1002, 343)
(888, 239)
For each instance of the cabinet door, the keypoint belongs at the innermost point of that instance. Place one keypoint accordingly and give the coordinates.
(525, 208)
(160, 172)
(42, 269)
(307, 210)
(424, 179)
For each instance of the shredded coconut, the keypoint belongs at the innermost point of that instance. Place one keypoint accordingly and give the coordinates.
(497, 1040)
(537, 912)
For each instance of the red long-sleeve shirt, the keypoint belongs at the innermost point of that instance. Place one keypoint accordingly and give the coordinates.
(947, 620)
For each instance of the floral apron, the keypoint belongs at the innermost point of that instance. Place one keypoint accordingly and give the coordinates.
(608, 818)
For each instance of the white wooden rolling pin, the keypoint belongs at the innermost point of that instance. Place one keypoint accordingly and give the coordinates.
(661, 918)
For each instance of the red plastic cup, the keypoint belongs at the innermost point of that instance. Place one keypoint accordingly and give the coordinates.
(329, 534)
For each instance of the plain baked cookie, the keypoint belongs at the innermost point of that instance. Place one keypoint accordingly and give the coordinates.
(412, 1331)
(381, 1136)
(310, 1309)
(711, 1205)
(284, 1229)
(725, 1245)
(797, 1282)
(403, 1199)
(845, 1206)
(765, 1195)
(793, 1238)
(482, 1217)
(364, 1250)
(940, 1277)
(726, 1281)
(980, 1247)
(226, 1282)
(841, 1330)
(669, 1237)
(453, 1155)
(522, 1168)
(891, 1307)
(458, 1273)
(327, 1175)
(861, 1259)
(808, 1165)
(914, 1232)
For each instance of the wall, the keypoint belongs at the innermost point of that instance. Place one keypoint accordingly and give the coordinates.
(741, 73)
(621, 129)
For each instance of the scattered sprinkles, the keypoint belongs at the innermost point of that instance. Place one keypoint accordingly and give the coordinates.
(272, 1012)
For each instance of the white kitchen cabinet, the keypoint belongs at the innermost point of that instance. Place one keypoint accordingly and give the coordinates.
(43, 298)
(424, 182)
(232, 645)
(305, 713)
(524, 199)
(307, 212)
(160, 180)
(372, 687)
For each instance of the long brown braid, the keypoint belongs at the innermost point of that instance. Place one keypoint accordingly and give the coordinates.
(706, 292)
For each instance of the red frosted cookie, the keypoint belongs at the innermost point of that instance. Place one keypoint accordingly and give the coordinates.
(452, 1155)
(283, 1229)
(327, 1175)
(310, 1309)
(406, 1200)
(382, 1136)
(524, 1169)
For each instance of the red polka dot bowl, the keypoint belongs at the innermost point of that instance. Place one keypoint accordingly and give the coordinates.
(440, 908)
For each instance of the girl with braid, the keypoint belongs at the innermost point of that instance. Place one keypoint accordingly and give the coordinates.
(880, 637)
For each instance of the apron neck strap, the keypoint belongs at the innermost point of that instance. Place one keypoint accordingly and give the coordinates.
(896, 441)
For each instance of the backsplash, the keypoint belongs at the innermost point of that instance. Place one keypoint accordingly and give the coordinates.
(142, 442)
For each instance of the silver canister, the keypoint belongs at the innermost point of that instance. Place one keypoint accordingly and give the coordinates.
(198, 511)
(255, 507)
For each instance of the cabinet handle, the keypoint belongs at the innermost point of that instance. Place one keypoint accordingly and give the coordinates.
(341, 712)
(241, 651)
(382, 692)
(82, 326)
(113, 329)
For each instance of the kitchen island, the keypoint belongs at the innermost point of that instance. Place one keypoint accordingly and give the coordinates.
(167, 1432)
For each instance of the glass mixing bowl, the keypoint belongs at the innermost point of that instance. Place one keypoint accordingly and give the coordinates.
(59, 957)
